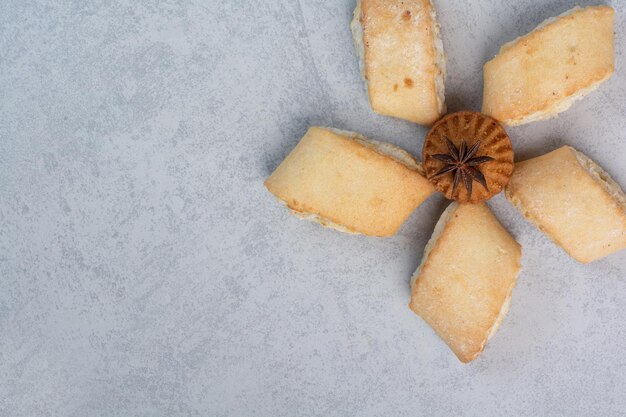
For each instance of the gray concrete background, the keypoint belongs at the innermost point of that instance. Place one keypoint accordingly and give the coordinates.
(145, 271)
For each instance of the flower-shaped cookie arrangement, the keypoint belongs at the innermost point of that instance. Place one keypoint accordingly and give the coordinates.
(345, 181)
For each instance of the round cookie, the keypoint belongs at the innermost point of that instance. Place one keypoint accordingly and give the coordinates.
(468, 156)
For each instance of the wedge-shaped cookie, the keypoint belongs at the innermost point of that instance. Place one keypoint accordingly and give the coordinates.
(543, 73)
(345, 181)
(463, 286)
(573, 200)
(401, 58)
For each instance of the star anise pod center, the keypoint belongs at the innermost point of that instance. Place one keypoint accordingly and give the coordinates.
(462, 163)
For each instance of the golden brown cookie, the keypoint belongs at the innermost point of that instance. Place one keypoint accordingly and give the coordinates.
(468, 156)
(463, 286)
(401, 58)
(543, 73)
(572, 200)
(350, 183)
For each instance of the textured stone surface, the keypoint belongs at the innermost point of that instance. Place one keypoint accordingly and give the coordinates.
(144, 270)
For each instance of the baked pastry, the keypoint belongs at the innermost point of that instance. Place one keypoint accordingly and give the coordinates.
(468, 156)
(463, 286)
(345, 181)
(543, 73)
(401, 58)
(573, 200)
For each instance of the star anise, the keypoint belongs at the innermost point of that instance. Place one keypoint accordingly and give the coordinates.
(462, 163)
